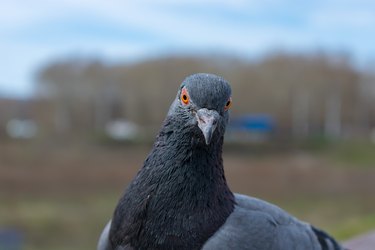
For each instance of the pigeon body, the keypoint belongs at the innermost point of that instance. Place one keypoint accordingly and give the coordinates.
(180, 198)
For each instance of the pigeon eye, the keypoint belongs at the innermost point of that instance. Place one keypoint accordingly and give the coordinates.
(184, 97)
(228, 104)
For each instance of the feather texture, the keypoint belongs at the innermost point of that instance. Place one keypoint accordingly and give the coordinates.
(180, 198)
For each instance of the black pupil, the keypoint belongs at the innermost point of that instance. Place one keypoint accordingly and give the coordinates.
(228, 103)
(184, 97)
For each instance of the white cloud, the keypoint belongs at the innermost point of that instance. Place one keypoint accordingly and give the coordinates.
(344, 19)
(351, 15)
(175, 24)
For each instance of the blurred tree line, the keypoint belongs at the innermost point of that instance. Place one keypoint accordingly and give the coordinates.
(307, 94)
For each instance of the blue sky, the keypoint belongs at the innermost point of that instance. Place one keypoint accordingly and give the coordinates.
(35, 32)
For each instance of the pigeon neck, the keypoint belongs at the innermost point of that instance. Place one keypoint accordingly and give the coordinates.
(180, 197)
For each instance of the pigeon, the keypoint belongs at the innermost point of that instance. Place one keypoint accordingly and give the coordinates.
(180, 199)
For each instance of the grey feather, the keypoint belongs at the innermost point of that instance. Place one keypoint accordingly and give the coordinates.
(256, 224)
(180, 199)
(103, 243)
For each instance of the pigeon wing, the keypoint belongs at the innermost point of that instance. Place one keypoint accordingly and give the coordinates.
(257, 224)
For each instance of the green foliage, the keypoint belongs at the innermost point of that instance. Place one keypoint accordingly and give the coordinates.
(355, 153)
(58, 223)
(316, 143)
(349, 153)
(355, 225)
(76, 222)
(61, 196)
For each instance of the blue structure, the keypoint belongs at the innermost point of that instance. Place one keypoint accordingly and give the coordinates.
(251, 127)
(11, 239)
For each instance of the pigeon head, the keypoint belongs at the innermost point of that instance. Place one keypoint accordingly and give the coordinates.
(202, 105)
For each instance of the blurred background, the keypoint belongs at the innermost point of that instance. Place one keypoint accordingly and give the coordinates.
(85, 86)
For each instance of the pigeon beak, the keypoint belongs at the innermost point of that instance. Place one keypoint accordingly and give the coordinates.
(207, 122)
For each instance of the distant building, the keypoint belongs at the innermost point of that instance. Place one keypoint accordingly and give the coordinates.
(25, 118)
(121, 130)
(21, 128)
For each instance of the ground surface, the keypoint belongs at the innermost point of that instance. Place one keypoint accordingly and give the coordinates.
(60, 196)
(362, 242)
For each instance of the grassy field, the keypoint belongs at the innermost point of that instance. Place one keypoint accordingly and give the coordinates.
(60, 196)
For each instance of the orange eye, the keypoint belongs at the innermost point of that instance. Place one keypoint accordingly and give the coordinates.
(228, 104)
(184, 97)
